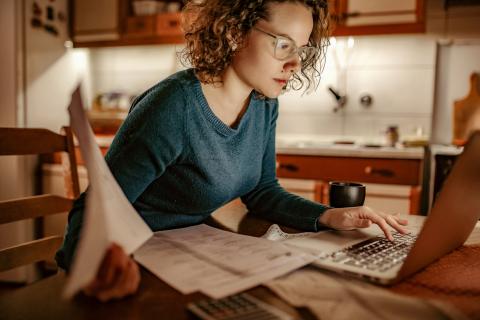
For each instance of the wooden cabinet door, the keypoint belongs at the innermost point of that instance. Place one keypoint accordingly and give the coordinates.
(94, 20)
(392, 174)
(361, 17)
(373, 170)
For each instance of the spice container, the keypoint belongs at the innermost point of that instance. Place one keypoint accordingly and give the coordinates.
(392, 136)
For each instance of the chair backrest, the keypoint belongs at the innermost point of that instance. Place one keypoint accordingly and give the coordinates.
(20, 141)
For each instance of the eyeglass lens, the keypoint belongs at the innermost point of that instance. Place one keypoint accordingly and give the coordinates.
(285, 49)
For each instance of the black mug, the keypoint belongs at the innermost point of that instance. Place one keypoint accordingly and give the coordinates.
(346, 194)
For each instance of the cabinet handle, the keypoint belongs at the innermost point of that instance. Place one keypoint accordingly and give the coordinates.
(288, 167)
(173, 23)
(380, 172)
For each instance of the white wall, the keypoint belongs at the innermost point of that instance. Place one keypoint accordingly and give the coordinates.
(52, 71)
(397, 70)
(132, 69)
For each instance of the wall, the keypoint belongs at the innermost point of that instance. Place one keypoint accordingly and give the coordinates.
(51, 71)
(132, 69)
(37, 77)
(382, 66)
(397, 70)
(12, 169)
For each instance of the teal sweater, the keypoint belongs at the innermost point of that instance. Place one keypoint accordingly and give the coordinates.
(177, 162)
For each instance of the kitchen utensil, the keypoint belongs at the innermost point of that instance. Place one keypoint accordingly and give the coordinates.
(466, 111)
(392, 136)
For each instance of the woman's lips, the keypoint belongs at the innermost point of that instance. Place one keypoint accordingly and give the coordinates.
(281, 81)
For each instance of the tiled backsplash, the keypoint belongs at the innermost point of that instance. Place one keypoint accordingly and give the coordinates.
(132, 69)
(398, 71)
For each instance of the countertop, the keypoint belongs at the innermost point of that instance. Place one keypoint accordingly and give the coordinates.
(353, 151)
(324, 146)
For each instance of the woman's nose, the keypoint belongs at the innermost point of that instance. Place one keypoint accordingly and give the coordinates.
(292, 65)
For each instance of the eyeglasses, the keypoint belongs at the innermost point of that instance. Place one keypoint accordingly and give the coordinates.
(285, 48)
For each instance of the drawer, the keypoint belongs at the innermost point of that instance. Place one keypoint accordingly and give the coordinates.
(168, 24)
(373, 170)
(141, 26)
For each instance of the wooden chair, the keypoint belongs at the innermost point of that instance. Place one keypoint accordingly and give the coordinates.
(19, 141)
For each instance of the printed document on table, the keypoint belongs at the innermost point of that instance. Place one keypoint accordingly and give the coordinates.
(178, 267)
(216, 262)
(109, 216)
(235, 252)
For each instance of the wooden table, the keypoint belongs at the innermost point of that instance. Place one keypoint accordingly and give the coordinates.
(154, 299)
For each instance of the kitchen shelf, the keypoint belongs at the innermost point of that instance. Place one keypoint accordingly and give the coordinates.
(374, 17)
(127, 41)
(116, 25)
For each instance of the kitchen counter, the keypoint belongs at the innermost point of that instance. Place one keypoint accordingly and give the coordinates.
(322, 160)
(344, 146)
(351, 151)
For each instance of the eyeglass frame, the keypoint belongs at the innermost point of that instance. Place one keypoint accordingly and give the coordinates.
(278, 37)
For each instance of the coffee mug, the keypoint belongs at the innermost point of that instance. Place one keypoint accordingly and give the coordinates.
(346, 194)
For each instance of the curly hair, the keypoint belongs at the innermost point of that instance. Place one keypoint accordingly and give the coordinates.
(215, 29)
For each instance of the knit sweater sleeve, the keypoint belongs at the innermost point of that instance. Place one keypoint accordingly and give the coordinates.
(150, 139)
(270, 201)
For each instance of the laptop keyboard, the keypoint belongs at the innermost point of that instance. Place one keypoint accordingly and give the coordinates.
(376, 254)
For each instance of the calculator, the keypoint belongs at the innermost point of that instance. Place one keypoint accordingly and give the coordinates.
(237, 307)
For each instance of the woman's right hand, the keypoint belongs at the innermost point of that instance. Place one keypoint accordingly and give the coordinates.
(362, 217)
(117, 277)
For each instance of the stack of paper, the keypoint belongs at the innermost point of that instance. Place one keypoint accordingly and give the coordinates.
(109, 217)
(215, 262)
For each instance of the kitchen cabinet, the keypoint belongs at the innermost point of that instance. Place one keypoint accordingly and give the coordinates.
(400, 178)
(93, 20)
(367, 17)
(163, 27)
(113, 23)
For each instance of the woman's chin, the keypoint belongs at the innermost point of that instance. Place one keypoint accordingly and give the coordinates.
(272, 93)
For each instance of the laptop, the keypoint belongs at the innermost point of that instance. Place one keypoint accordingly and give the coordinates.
(367, 254)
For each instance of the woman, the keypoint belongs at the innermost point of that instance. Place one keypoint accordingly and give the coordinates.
(206, 136)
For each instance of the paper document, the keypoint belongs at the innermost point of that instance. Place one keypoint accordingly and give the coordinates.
(330, 296)
(109, 216)
(216, 262)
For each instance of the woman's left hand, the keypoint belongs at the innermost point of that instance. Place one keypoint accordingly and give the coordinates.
(362, 217)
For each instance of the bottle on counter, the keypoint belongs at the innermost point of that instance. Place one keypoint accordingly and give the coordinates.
(392, 136)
